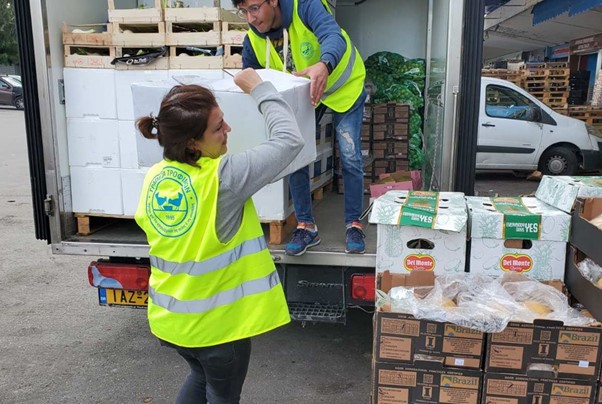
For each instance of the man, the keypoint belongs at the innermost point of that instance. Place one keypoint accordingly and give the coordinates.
(303, 37)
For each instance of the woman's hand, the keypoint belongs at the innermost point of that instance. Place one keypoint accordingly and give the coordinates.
(247, 80)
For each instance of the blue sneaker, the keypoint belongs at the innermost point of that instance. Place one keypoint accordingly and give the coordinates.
(354, 239)
(302, 240)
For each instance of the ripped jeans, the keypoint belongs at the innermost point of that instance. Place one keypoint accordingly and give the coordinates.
(348, 127)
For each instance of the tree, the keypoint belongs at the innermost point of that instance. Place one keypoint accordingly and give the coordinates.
(9, 50)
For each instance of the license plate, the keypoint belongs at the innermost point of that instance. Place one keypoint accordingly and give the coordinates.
(121, 297)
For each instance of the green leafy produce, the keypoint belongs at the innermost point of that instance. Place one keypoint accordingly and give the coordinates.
(400, 80)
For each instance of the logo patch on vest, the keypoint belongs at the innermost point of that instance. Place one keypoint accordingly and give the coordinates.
(171, 202)
(307, 50)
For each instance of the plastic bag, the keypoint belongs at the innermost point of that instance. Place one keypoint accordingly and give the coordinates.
(482, 303)
(592, 271)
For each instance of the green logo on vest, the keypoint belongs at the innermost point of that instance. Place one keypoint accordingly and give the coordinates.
(171, 202)
(307, 50)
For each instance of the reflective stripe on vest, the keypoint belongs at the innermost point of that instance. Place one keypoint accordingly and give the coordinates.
(343, 77)
(218, 262)
(220, 299)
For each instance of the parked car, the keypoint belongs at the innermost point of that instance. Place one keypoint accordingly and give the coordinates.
(518, 132)
(11, 92)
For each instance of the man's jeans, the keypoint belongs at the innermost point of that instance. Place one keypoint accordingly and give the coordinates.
(217, 373)
(348, 127)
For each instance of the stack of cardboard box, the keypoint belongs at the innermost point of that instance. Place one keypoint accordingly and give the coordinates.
(423, 361)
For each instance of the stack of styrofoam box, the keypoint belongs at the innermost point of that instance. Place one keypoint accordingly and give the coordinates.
(93, 141)
(533, 243)
(106, 174)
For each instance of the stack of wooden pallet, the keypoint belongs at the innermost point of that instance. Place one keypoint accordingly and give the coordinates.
(197, 38)
(514, 76)
(549, 82)
(589, 114)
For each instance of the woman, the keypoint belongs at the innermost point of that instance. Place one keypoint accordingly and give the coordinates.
(213, 283)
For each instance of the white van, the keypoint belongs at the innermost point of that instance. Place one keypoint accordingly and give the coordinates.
(519, 132)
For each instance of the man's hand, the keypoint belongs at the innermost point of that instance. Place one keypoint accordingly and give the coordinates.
(318, 74)
(247, 80)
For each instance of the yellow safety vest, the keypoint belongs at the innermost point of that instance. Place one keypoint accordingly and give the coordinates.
(203, 292)
(346, 81)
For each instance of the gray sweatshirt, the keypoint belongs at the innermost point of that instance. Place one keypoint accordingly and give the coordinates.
(243, 174)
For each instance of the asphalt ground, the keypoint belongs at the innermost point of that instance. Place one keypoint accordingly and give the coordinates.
(58, 346)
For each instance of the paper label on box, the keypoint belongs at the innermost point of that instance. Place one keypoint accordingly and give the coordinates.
(459, 362)
(583, 364)
(419, 209)
(519, 222)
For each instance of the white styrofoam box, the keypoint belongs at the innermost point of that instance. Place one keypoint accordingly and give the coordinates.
(513, 234)
(128, 149)
(320, 171)
(196, 76)
(325, 132)
(93, 142)
(96, 190)
(131, 186)
(273, 201)
(123, 91)
(562, 191)
(420, 231)
(248, 128)
(90, 92)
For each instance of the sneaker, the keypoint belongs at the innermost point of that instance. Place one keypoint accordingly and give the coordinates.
(302, 240)
(354, 239)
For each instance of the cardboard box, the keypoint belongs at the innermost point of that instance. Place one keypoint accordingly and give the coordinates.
(545, 348)
(403, 338)
(93, 142)
(562, 191)
(96, 190)
(585, 236)
(420, 231)
(248, 129)
(580, 287)
(513, 234)
(400, 337)
(506, 389)
(90, 92)
(599, 394)
(325, 133)
(424, 383)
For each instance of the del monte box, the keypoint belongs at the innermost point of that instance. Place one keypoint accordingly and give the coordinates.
(420, 231)
(514, 234)
(562, 191)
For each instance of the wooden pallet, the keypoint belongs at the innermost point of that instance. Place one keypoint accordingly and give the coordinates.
(232, 57)
(151, 34)
(196, 34)
(103, 35)
(87, 56)
(183, 58)
(91, 223)
(233, 33)
(146, 15)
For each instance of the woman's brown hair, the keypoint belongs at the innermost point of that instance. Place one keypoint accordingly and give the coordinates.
(183, 116)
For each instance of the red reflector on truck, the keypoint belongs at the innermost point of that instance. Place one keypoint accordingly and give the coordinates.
(363, 287)
(111, 275)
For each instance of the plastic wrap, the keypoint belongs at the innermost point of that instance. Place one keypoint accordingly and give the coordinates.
(483, 303)
(592, 271)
